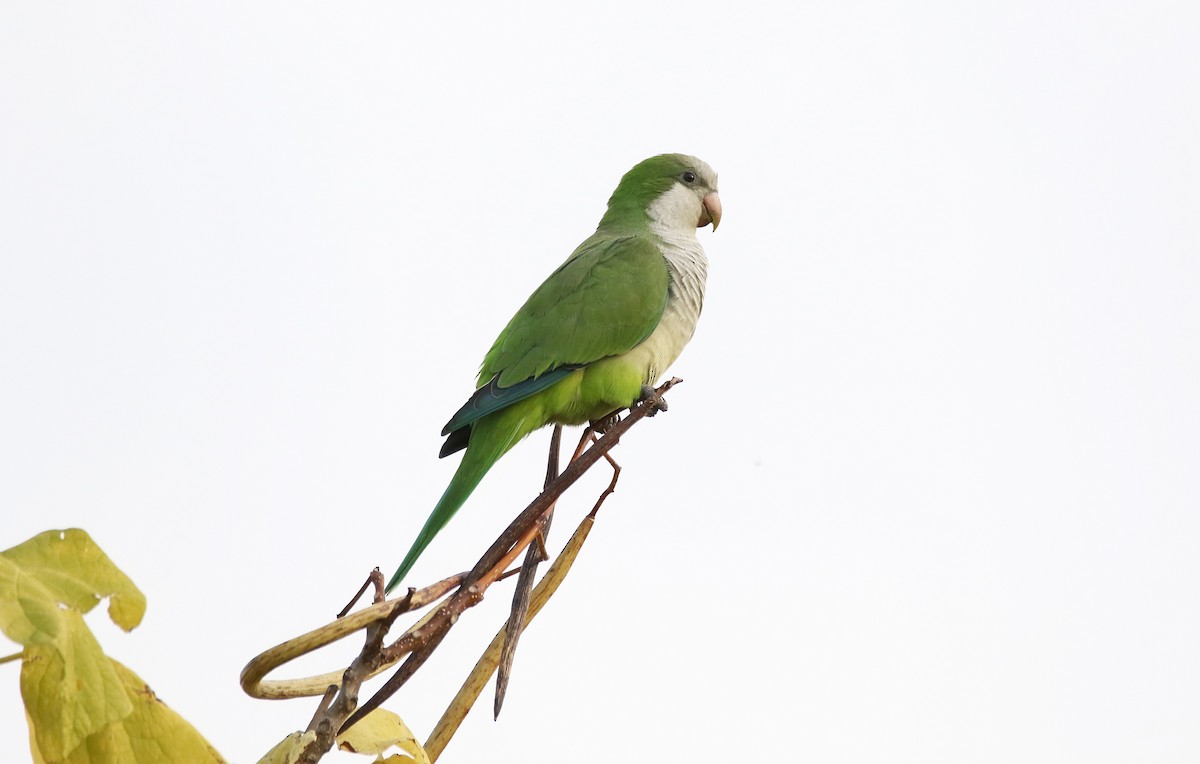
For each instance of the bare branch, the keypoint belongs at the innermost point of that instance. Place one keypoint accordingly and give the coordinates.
(473, 685)
(339, 689)
(534, 555)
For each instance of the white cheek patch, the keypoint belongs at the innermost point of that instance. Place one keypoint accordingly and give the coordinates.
(678, 208)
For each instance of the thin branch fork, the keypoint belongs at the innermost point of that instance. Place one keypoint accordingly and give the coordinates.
(337, 713)
(534, 556)
(568, 477)
(496, 559)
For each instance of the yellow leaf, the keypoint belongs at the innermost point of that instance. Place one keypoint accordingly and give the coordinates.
(28, 611)
(83, 707)
(289, 749)
(70, 688)
(61, 567)
(151, 732)
(377, 732)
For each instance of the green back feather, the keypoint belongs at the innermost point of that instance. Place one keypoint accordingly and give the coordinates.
(605, 299)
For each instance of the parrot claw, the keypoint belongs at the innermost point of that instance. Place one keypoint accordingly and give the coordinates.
(604, 424)
(650, 397)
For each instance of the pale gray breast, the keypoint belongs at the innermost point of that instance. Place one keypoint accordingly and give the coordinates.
(688, 269)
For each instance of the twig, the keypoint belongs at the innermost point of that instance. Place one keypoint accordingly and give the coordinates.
(256, 686)
(518, 533)
(473, 685)
(533, 557)
(376, 578)
(344, 701)
(568, 477)
(420, 640)
(322, 708)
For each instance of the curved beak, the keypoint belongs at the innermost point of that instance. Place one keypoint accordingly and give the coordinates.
(712, 211)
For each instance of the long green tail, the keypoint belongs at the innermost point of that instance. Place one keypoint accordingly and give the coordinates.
(488, 443)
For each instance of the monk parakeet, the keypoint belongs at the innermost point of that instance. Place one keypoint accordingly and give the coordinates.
(596, 333)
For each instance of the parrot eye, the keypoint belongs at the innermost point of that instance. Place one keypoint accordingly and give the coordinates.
(689, 177)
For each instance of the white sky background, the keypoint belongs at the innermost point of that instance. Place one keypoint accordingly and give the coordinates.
(929, 492)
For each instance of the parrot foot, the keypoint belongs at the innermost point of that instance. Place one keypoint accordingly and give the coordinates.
(604, 424)
(650, 397)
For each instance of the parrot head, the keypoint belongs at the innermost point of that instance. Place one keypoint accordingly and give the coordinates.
(676, 191)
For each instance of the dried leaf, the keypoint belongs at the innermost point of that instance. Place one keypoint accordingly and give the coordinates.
(377, 732)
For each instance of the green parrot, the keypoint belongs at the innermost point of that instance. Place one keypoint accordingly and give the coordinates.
(597, 333)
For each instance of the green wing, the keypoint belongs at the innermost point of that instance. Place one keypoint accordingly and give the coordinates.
(604, 300)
